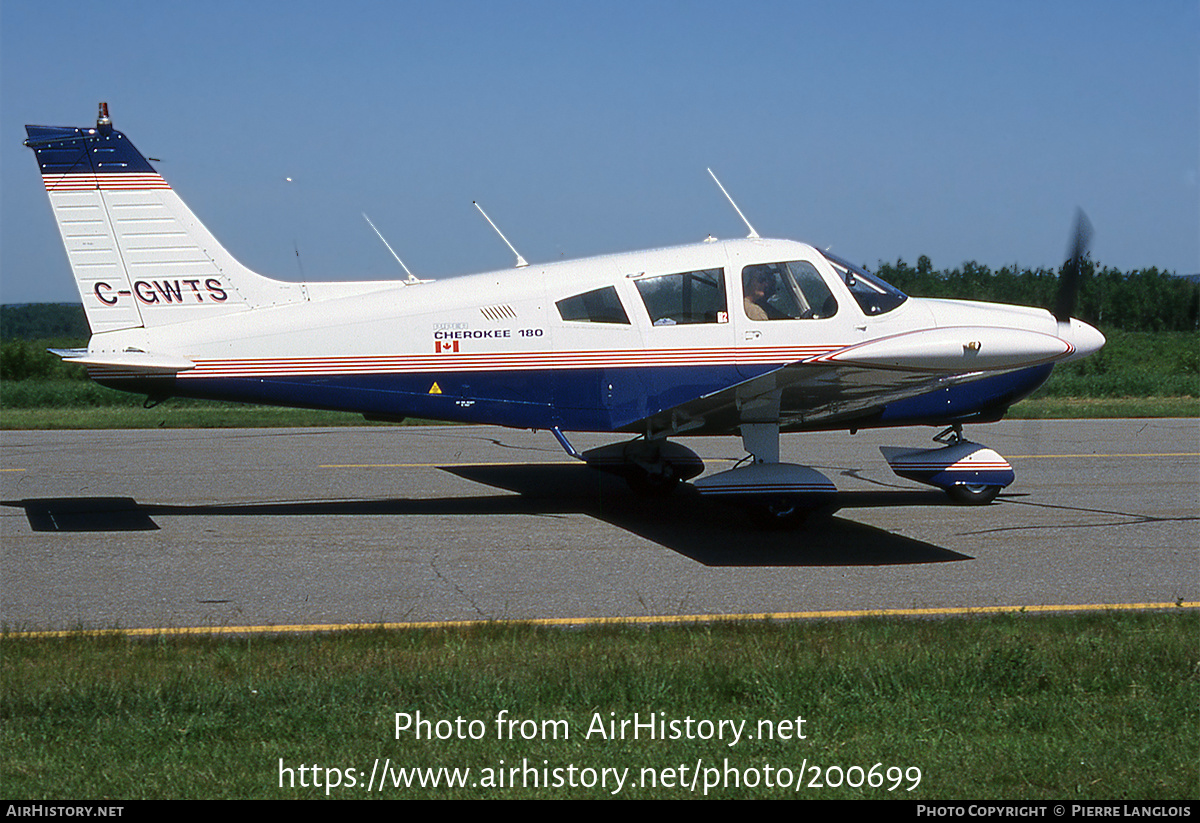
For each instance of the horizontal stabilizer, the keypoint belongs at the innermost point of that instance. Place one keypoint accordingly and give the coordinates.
(132, 361)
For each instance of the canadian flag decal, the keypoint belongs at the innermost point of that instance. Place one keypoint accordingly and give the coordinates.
(449, 345)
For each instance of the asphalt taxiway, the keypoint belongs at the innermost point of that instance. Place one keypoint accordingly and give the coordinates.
(269, 527)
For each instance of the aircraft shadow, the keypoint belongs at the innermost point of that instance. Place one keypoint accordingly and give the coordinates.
(719, 534)
(710, 533)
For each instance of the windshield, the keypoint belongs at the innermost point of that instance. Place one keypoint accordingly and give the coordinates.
(873, 295)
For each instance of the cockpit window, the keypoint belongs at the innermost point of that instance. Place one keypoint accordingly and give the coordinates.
(786, 291)
(599, 306)
(873, 295)
(691, 297)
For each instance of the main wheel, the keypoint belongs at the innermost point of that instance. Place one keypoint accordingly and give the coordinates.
(783, 513)
(973, 494)
(656, 484)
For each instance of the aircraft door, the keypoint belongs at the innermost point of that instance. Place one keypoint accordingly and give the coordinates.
(786, 312)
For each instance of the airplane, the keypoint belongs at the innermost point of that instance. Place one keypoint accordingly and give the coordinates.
(751, 336)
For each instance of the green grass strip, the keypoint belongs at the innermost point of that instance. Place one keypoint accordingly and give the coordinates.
(1012, 706)
(1058, 408)
(202, 415)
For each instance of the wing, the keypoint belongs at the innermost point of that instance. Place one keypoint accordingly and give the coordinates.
(829, 395)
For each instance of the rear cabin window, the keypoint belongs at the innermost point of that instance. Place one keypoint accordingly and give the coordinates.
(690, 297)
(599, 306)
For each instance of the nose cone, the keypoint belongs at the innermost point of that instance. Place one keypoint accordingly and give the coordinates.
(1086, 339)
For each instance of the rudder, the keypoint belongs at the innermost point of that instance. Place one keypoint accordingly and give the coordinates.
(138, 254)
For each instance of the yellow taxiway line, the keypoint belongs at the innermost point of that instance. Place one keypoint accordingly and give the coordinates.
(1060, 456)
(573, 462)
(575, 622)
(445, 465)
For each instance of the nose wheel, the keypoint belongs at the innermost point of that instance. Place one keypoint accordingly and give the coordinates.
(970, 474)
(972, 494)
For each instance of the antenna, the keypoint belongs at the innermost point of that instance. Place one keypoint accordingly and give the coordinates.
(411, 277)
(752, 233)
(295, 244)
(520, 260)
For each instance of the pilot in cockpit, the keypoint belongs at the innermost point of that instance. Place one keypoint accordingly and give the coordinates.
(759, 285)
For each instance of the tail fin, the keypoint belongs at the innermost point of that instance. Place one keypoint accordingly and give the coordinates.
(139, 255)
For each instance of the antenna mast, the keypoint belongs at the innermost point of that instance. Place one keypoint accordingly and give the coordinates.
(752, 233)
(412, 278)
(520, 260)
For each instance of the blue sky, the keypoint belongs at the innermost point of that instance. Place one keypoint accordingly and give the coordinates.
(960, 130)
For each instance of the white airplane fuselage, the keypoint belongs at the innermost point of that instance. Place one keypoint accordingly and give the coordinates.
(492, 348)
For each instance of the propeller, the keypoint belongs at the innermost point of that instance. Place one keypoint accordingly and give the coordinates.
(1068, 283)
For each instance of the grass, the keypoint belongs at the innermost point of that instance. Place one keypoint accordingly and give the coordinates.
(1057, 408)
(1098, 706)
(214, 416)
(69, 404)
(81, 404)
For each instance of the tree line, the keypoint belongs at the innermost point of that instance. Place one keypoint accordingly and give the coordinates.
(1140, 300)
(44, 321)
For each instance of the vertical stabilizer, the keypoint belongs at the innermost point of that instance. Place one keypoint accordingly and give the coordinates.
(139, 255)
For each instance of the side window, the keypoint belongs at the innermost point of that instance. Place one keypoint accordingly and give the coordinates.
(786, 291)
(691, 297)
(599, 306)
